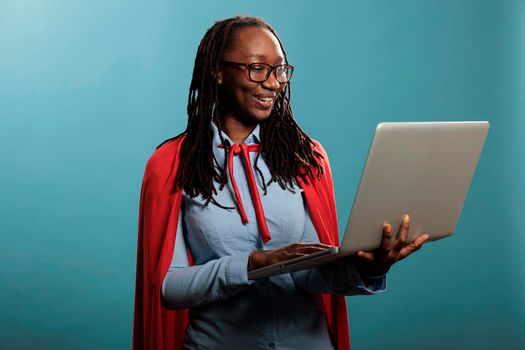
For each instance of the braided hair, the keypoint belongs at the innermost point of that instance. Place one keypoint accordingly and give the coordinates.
(287, 149)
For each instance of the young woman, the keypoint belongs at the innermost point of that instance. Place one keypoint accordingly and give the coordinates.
(244, 187)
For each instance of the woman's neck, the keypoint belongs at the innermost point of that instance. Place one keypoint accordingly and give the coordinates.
(236, 130)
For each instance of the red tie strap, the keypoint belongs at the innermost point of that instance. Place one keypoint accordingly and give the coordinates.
(244, 150)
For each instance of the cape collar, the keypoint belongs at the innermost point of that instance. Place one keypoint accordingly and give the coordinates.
(219, 152)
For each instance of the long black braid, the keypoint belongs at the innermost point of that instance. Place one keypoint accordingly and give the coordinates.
(287, 149)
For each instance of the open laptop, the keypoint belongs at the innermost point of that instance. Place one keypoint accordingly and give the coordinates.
(423, 169)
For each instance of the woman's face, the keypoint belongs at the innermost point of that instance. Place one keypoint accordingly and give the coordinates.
(240, 98)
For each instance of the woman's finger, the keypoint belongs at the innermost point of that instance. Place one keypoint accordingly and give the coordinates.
(294, 255)
(413, 246)
(293, 250)
(309, 247)
(386, 240)
(402, 237)
(367, 256)
(306, 245)
(312, 249)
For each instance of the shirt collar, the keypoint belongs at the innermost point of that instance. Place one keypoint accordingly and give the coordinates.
(252, 138)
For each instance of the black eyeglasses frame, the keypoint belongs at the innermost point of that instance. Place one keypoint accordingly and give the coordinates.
(272, 69)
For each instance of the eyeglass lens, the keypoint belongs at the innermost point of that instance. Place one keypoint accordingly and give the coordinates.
(261, 72)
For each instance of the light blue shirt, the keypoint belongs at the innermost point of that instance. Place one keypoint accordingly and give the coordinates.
(229, 311)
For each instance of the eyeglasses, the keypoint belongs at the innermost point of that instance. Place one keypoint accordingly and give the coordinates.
(260, 72)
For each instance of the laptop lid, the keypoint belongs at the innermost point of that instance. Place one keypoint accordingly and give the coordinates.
(423, 169)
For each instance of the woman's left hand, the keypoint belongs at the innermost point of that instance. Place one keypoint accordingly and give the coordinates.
(379, 261)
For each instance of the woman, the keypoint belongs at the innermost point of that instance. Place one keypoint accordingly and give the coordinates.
(244, 187)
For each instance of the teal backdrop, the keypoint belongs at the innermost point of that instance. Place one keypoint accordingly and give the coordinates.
(89, 88)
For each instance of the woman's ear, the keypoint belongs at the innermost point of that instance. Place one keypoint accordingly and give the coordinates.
(217, 75)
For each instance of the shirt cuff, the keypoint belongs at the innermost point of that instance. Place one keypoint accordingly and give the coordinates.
(372, 284)
(237, 270)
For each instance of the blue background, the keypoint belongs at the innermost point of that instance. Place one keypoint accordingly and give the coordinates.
(89, 88)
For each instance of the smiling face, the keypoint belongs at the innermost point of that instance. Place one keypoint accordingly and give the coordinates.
(241, 99)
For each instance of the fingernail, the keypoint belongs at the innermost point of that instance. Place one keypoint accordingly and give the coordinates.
(406, 219)
(388, 228)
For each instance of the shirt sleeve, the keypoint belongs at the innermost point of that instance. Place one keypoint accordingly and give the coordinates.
(340, 277)
(186, 286)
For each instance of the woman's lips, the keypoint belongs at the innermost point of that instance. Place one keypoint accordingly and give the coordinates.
(264, 102)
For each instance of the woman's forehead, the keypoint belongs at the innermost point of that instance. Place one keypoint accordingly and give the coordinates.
(254, 43)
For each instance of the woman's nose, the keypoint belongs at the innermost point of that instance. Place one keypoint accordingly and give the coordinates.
(272, 83)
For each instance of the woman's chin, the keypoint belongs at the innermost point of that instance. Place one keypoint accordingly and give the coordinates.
(261, 115)
(251, 117)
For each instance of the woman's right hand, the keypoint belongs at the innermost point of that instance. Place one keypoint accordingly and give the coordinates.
(262, 258)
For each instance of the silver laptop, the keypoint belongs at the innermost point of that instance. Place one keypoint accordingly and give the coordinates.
(423, 169)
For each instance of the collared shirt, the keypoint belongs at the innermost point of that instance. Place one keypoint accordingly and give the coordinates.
(229, 311)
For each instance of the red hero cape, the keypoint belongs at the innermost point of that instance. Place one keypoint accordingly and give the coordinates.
(158, 328)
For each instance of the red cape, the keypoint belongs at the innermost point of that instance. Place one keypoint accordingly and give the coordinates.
(156, 327)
